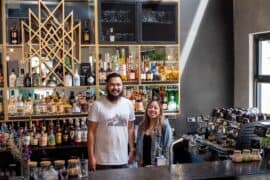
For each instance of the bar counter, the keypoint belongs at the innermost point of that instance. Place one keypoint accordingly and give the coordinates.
(206, 170)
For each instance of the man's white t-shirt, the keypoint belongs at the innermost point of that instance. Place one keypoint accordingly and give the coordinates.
(111, 143)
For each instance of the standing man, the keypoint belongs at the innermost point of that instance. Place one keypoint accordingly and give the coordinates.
(111, 128)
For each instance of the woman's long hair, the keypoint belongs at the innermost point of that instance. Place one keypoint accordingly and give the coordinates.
(146, 121)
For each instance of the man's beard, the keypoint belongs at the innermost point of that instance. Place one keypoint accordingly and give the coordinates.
(112, 97)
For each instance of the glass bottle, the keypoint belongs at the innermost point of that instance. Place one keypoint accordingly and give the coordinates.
(65, 134)
(12, 108)
(27, 80)
(102, 72)
(36, 107)
(123, 66)
(20, 105)
(14, 34)
(58, 134)
(20, 79)
(86, 33)
(68, 79)
(76, 78)
(84, 130)
(111, 35)
(36, 78)
(12, 78)
(91, 76)
(51, 138)
(172, 104)
(78, 132)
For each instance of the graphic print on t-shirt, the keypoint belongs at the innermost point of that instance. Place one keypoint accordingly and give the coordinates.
(117, 120)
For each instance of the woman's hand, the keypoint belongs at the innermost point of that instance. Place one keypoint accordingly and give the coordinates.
(92, 163)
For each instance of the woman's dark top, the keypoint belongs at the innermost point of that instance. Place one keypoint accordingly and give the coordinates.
(147, 140)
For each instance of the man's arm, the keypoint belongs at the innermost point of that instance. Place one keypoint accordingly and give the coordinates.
(131, 141)
(92, 126)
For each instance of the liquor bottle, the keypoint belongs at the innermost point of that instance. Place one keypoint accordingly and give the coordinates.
(172, 104)
(12, 79)
(65, 134)
(36, 78)
(14, 35)
(72, 99)
(20, 79)
(58, 134)
(164, 103)
(71, 131)
(123, 67)
(36, 104)
(102, 72)
(52, 82)
(91, 76)
(28, 108)
(51, 138)
(12, 109)
(86, 34)
(43, 105)
(111, 35)
(149, 74)
(78, 132)
(76, 78)
(68, 79)
(20, 105)
(143, 73)
(115, 64)
(108, 70)
(84, 130)
(27, 80)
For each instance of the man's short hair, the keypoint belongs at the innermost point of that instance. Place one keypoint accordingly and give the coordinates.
(112, 75)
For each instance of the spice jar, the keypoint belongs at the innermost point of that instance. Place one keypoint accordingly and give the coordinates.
(33, 170)
(246, 155)
(61, 169)
(237, 156)
(255, 154)
(74, 169)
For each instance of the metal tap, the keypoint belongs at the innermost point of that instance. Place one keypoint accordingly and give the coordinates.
(171, 153)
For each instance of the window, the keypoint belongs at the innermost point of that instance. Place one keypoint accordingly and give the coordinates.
(262, 72)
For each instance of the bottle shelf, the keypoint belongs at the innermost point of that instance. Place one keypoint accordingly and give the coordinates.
(62, 146)
(46, 116)
(88, 45)
(56, 87)
(166, 113)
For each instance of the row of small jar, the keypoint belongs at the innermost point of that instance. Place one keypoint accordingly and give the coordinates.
(246, 155)
(46, 170)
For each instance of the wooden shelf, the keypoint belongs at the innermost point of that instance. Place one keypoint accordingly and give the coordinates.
(63, 146)
(88, 45)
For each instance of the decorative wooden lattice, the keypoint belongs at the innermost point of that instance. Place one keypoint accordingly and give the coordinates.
(52, 40)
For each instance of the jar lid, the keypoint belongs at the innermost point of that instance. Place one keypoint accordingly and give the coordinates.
(32, 164)
(45, 163)
(237, 151)
(246, 150)
(73, 161)
(59, 162)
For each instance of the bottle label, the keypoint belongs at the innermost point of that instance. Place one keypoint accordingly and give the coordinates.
(112, 38)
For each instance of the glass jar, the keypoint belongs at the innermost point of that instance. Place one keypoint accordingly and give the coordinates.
(237, 156)
(44, 167)
(84, 168)
(51, 174)
(61, 169)
(74, 169)
(246, 155)
(255, 154)
(33, 169)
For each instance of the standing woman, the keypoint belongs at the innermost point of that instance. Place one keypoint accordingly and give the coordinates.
(154, 136)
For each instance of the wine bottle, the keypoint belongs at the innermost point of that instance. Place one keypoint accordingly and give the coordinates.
(86, 34)
(14, 35)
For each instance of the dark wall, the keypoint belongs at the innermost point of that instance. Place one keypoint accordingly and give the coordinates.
(208, 77)
(249, 17)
